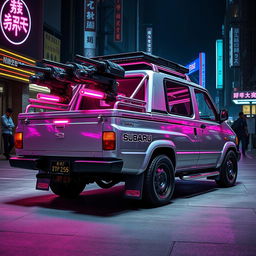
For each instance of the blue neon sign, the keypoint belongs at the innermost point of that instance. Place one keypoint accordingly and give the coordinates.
(219, 64)
(193, 66)
(198, 65)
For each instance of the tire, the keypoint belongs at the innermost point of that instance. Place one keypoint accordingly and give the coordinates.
(106, 183)
(159, 181)
(71, 189)
(228, 171)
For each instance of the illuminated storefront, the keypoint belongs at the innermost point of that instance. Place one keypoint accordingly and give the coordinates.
(21, 33)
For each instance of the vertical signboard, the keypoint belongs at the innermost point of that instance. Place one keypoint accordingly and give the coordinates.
(149, 40)
(234, 47)
(202, 69)
(90, 28)
(118, 20)
(219, 64)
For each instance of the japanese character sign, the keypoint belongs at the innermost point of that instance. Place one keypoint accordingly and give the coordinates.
(149, 39)
(118, 20)
(246, 95)
(234, 47)
(90, 15)
(15, 21)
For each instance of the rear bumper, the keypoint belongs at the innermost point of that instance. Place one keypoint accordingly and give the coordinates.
(77, 165)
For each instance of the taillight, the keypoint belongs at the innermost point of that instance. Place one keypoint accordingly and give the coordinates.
(109, 141)
(18, 140)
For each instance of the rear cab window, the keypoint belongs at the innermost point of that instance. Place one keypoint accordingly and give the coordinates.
(128, 87)
(178, 99)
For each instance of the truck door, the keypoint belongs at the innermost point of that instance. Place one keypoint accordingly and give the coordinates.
(211, 139)
(183, 124)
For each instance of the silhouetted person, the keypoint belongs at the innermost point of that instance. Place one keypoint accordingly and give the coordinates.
(7, 132)
(241, 130)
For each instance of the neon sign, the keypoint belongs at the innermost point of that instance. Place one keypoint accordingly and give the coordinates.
(244, 95)
(15, 21)
(198, 65)
(219, 64)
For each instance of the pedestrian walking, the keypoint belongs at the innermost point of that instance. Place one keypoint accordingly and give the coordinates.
(7, 132)
(241, 130)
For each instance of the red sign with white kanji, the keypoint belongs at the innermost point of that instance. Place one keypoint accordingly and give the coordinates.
(118, 20)
(90, 15)
(15, 21)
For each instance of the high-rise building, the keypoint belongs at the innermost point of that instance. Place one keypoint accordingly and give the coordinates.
(239, 51)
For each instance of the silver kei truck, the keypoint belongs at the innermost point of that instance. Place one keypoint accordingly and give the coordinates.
(133, 118)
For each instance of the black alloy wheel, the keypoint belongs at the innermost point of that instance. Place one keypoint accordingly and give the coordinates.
(159, 181)
(228, 170)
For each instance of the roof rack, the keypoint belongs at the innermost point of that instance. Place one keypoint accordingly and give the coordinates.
(142, 56)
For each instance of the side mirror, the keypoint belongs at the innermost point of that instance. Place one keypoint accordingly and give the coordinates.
(223, 115)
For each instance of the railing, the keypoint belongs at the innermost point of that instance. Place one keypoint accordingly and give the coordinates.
(49, 105)
(122, 102)
(130, 103)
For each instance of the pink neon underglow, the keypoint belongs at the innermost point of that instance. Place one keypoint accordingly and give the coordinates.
(48, 97)
(15, 21)
(62, 121)
(92, 93)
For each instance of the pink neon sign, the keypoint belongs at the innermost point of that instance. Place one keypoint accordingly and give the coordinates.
(48, 97)
(15, 21)
(244, 95)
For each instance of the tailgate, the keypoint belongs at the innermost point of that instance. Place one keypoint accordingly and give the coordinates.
(55, 133)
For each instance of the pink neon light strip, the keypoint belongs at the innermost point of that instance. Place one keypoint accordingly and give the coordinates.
(92, 93)
(173, 102)
(61, 121)
(197, 152)
(41, 96)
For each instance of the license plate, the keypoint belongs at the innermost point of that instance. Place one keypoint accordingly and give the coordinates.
(60, 167)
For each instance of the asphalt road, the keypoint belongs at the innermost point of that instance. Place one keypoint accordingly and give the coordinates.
(202, 219)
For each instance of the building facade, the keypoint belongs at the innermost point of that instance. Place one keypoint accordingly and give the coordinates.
(29, 32)
(239, 52)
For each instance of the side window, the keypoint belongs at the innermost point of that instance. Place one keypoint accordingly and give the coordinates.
(205, 106)
(178, 99)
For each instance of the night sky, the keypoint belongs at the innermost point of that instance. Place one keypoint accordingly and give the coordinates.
(183, 28)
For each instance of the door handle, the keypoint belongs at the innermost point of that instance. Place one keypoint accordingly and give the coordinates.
(203, 126)
(195, 131)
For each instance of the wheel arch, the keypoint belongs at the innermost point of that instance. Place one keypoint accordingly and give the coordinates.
(228, 147)
(167, 149)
